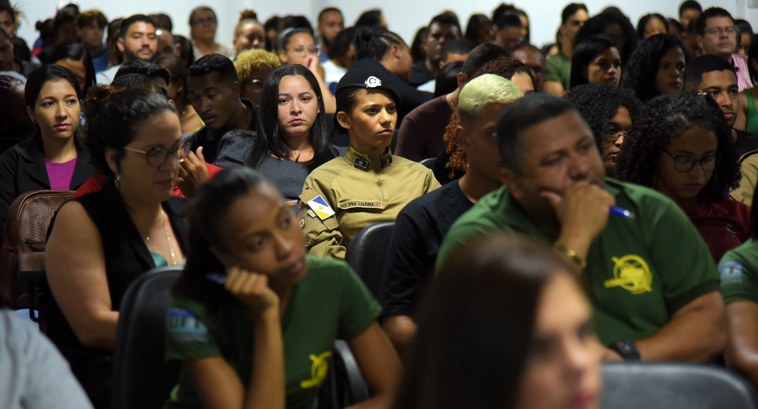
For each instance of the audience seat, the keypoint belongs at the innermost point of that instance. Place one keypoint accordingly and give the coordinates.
(367, 252)
(22, 257)
(344, 385)
(141, 377)
(429, 162)
(673, 386)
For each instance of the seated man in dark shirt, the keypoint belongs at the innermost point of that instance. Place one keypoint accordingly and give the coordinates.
(213, 89)
(420, 134)
(716, 78)
(420, 227)
(442, 29)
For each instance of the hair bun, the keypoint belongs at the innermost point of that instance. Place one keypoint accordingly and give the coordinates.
(248, 14)
(97, 97)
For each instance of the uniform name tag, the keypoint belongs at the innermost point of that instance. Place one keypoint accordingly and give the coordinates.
(321, 208)
(370, 204)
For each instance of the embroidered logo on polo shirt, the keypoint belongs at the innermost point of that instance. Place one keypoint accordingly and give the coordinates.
(319, 368)
(632, 273)
(321, 208)
(183, 326)
(731, 272)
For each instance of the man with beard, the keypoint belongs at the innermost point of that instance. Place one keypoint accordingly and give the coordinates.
(136, 41)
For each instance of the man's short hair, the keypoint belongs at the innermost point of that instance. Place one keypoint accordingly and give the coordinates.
(149, 69)
(214, 63)
(87, 17)
(703, 64)
(458, 46)
(163, 21)
(480, 55)
(710, 12)
(134, 80)
(521, 115)
(327, 10)
(690, 5)
(484, 90)
(445, 18)
(570, 9)
(508, 19)
(137, 18)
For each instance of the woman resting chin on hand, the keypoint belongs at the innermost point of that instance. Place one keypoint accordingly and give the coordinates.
(254, 319)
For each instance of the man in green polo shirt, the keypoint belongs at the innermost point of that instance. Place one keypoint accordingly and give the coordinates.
(650, 277)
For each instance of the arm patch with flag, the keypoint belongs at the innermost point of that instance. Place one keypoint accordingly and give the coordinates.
(321, 208)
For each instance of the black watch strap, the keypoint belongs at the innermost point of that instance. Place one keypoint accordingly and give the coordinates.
(626, 349)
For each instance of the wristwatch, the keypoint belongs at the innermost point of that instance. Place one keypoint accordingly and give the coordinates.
(626, 349)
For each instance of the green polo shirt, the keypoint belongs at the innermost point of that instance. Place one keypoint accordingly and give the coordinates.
(639, 271)
(558, 68)
(739, 273)
(329, 303)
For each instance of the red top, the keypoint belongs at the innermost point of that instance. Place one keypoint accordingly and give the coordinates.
(97, 181)
(723, 225)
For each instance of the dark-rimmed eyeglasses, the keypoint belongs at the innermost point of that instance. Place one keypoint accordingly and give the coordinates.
(158, 155)
(685, 163)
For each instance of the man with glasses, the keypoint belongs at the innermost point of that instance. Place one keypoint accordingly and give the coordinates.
(650, 301)
(136, 41)
(717, 35)
(442, 29)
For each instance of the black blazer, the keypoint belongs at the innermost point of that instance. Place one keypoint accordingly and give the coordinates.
(22, 169)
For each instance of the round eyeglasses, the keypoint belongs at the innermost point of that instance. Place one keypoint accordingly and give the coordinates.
(158, 155)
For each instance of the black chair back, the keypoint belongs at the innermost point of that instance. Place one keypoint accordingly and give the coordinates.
(141, 377)
(367, 252)
(429, 162)
(673, 386)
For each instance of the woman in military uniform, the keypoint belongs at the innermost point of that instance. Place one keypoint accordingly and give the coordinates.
(368, 184)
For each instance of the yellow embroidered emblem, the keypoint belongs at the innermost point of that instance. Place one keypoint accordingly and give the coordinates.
(632, 273)
(319, 368)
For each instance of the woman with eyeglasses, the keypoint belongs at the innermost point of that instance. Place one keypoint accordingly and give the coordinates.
(609, 111)
(54, 156)
(203, 25)
(103, 241)
(682, 147)
(292, 137)
(253, 66)
(298, 46)
(596, 60)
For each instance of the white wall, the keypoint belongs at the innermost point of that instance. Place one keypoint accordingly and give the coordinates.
(403, 16)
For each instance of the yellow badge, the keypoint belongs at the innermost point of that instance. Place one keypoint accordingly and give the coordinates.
(632, 273)
(319, 368)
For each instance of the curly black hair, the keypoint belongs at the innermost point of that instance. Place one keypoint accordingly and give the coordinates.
(642, 67)
(664, 118)
(598, 104)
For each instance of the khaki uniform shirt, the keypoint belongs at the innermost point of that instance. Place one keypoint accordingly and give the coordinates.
(354, 191)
